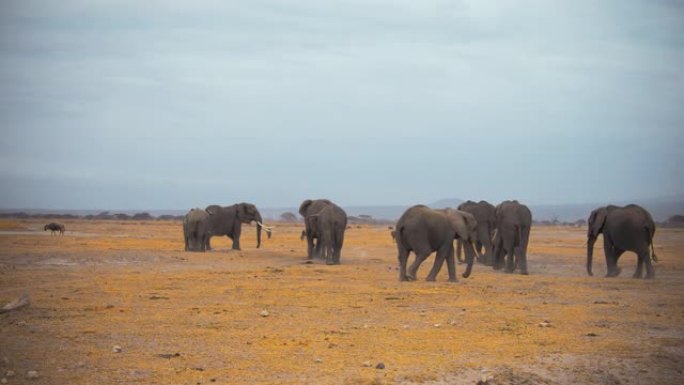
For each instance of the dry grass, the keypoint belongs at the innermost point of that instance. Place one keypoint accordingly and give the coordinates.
(130, 284)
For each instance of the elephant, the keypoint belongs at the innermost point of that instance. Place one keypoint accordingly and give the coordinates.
(512, 235)
(325, 223)
(228, 220)
(196, 229)
(485, 215)
(629, 228)
(424, 230)
(54, 227)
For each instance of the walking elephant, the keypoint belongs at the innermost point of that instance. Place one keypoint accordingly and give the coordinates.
(228, 220)
(325, 223)
(512, 235)
(485, 215)
(424, 230)
(629, 228)
(196, 230)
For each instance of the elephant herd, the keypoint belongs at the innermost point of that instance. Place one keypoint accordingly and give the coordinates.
(496, 236)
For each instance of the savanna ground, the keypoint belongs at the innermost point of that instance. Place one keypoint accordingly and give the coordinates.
(198, 318)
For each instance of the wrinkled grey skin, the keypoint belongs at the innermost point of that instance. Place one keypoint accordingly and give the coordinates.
(512, 235)
(54, 227)
(629, 228)
(228, 220)
(424, 230)
(485, 215)
(196, 230)
(325, 224)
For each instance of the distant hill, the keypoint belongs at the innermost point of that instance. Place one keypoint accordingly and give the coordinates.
(661, 209)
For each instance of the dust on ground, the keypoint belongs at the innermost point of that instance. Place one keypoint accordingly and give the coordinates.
(119, 302)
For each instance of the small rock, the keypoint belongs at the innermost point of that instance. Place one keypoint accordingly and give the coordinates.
(318, 361)
(31, 374)
(437, 325)
(380, 366)
(406, 326)
(264, 313)
(592, 335)
(10, 373)
(117, 349)
(545, 324)
(3, 380)
(367, 364)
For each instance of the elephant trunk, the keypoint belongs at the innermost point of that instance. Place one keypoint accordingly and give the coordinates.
(258, 229)
(470, 253)
(590, 254)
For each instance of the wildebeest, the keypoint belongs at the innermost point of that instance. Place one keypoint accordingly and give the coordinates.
(54, 227)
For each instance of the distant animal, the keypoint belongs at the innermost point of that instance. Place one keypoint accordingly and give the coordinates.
(485, 215)
(512, 235)
(196, 229)
(54, 228)
(325, 224)
(424, 230)
(629, 228)
(228, 220)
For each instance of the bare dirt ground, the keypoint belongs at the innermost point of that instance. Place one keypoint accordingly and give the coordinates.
(121, 303)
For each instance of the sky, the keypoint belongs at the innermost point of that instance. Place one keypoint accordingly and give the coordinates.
(177, 104)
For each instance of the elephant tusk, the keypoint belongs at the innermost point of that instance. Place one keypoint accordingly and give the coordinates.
(264, 227)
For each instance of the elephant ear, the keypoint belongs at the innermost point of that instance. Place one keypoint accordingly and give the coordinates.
(596, 221)
(242, 211)
(304, 207)
(470, 222)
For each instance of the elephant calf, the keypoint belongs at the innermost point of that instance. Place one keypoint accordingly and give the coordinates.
(424, 230)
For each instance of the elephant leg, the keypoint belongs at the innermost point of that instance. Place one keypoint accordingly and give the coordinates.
(309, 246)
(451, 264)
(413, 269)
(236, 243)
(440, 256)
(521, 260)
(403, 258)
(318, 249)
(612, 256)
(498, 262)
(510, 260)
(208, 243)
(639, 272)
(480, 256)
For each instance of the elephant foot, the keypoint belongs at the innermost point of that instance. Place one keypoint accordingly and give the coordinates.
(453, 280)
(430, 279)
(406, 279)
(650, 276)
(637, 275)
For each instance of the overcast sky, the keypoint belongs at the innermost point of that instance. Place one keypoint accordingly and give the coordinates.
(173, 104)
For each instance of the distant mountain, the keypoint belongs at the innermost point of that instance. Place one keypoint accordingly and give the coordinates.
(446, 202)
(660, 208)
